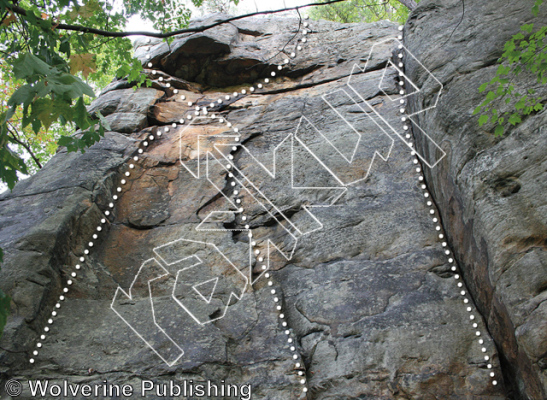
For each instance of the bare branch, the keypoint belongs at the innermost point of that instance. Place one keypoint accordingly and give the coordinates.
(79, 28)
(26, 146)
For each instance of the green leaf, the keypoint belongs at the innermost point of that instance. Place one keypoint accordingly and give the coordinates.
(515, 119)
(29, 67)
(36, 125)
(44, 110)
(483, 87)
(24, 95)
(5, 302)
(10, 162)
(84, 63)
(521, 103)
(495, 116)
(490, 96)
(518, 36)
(104, 121)
(32, 18)
(45, 80)
(499, 130)
(86, 11)
(535, 8)
(527, 28)
(71, 143)
(483, 119)
(503, 70)
(500, 91)
(69, 86)
(80, 115)
(64, 47)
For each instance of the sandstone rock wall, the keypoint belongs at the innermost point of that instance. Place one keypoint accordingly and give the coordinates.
(369, 298)
(490, 190)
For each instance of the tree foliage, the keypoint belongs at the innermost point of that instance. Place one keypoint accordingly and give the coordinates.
(51, 65)
(221, 6)
(362, 11)
(50, 72)
(4, 303)
(44, 69)
(525, 52)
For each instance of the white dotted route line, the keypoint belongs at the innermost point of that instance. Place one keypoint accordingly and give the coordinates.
(145, 143)
(90, 244)
(198, 111)
(296, 357)
(252, 89)
(256, 251)
(433, 212)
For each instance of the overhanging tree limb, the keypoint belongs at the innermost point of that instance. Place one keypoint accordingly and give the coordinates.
(79, 28)
(13, 133)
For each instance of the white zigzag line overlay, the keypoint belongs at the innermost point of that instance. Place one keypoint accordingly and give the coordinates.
(278, 214)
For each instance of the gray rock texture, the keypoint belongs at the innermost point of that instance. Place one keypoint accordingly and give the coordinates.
(490, 190)
(370, 304)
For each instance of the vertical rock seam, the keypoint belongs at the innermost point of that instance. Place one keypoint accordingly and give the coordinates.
(488, 189)
(369, 298)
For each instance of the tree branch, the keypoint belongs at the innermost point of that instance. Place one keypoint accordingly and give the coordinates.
(4, 17)
(78, 28)
(26, 146)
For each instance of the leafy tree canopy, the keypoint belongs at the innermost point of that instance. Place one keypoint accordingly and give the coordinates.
(49, 69)
(53, 56)
(524, 53)
(364, 11)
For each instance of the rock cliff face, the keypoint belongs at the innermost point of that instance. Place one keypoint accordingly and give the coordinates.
(490, 191)
(184, 259)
